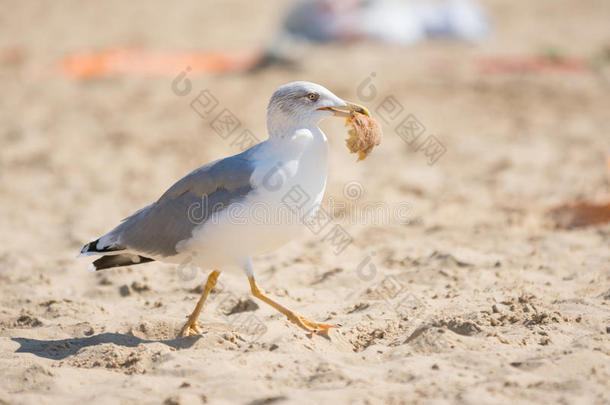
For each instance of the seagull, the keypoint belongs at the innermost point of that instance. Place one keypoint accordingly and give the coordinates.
(224, 213)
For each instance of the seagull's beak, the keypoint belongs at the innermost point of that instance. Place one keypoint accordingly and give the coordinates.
(345, 111)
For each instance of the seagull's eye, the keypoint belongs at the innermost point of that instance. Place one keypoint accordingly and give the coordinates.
(313, 97)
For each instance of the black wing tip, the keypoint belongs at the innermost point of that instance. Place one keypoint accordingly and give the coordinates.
(109, 261)
(91, 247)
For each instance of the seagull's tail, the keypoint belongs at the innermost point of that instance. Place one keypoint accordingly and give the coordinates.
(118, 260)
(96, 248)
(115, 255)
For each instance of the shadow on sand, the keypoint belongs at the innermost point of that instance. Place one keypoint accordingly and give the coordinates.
(60, 349)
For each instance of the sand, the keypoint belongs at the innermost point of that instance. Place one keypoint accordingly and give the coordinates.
(456, 288)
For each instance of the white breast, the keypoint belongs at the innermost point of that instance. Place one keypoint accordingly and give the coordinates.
(287, 170)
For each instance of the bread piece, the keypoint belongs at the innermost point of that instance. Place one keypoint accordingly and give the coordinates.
(364, 135)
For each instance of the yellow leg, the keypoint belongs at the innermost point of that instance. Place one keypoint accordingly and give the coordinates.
(191, 327)
(304, 323)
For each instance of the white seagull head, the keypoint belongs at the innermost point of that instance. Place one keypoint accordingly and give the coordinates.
(305, 104)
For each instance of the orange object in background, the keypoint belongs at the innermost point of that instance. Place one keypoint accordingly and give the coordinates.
(137, 62)
(580, 214)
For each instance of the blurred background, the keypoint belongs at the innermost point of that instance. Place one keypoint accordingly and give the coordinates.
(496, 133)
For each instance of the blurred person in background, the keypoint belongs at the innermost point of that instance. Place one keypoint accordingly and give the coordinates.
(401, 22)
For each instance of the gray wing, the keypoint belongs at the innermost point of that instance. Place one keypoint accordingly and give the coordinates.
(156, 229)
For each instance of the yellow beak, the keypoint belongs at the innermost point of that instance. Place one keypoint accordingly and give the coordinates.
(345, 111)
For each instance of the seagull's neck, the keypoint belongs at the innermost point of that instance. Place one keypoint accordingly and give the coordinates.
(300, 134)
(303, 143)
(302, 153)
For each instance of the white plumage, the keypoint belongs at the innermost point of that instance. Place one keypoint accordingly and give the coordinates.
(225, 212)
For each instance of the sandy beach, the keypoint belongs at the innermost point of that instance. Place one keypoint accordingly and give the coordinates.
(456, 287)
